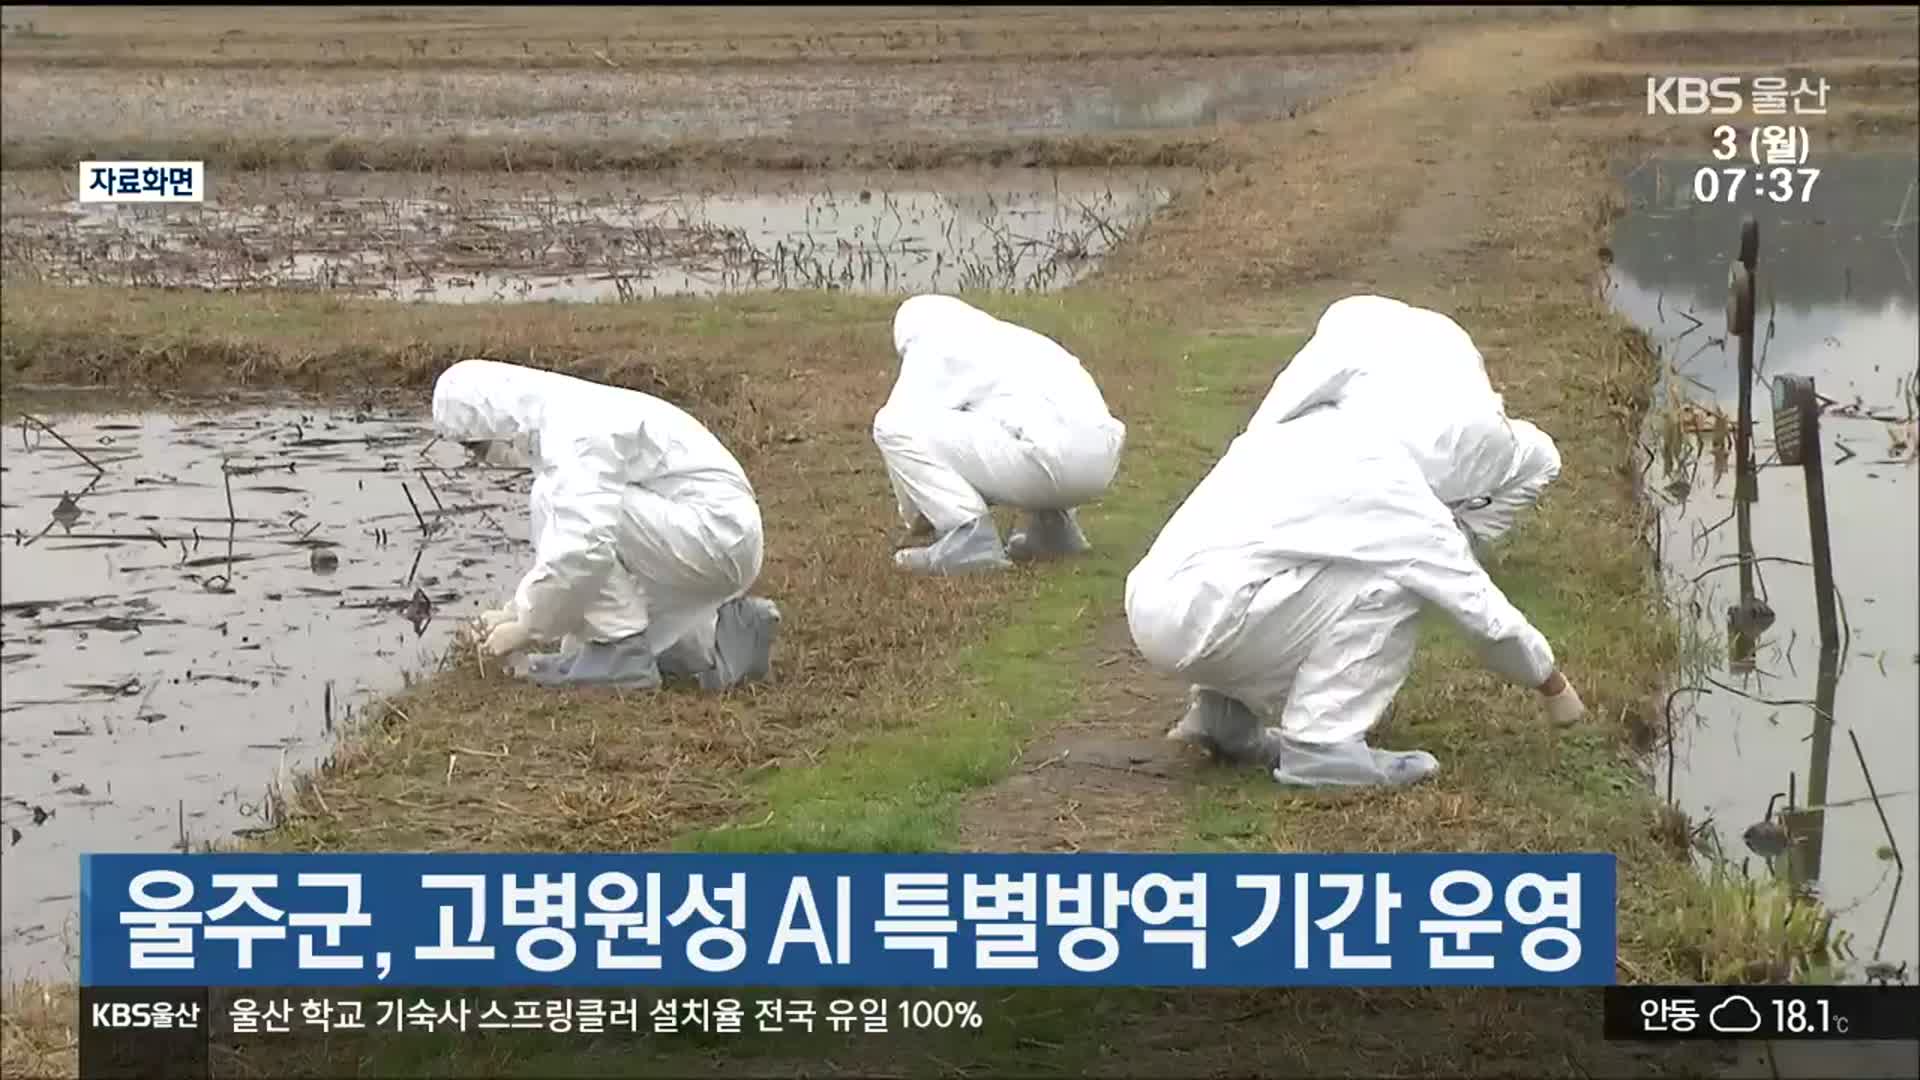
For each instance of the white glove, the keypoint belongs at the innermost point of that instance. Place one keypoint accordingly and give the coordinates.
(491, 619)
(1565, 707)
(508, 637)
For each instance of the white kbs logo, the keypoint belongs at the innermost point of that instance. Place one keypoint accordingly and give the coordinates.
(1691, 95)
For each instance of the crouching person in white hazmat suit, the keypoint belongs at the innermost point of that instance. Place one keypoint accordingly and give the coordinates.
(1286, 591)
(986, 413)
(1416, 373)
(646, 533)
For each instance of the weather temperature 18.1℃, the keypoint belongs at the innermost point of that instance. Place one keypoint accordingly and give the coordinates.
(1868, 1013)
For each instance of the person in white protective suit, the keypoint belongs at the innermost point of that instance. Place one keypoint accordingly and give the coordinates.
(646, 532)
(986, 413)
(1417, 372)
(1288, 587)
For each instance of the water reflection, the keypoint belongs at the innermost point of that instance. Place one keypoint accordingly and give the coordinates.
(418, 238)
(1836, 300)
(1239, 97)
(190, 599)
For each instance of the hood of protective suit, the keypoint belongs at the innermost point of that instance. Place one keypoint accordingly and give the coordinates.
(555, 415)
(485, 400)
(1483, 449)
(1533, 464)
(1417, 376)
(1377, 351)
(920, 319)
(955, 356)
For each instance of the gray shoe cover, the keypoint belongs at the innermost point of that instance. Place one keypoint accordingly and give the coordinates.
(1225, 728)
(550, 665)
(1047, 534)
(970, 548)
(1349, 764)
(742, 643)
(684, 659)
(628, 663)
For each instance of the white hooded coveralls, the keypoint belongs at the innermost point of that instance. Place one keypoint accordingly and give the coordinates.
(1291, 579)
(1417, 373)
(642, 521)
(985, 413)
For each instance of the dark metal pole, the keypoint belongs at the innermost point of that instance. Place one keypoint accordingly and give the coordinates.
(1744, 488)
(1815, 468)
(1796, 436)
(1740, 324)
(1806, 829)
(1796, 427)
(1745, 485)
(1750, 617)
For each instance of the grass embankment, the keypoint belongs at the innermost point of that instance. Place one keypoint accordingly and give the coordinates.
(598, 39)
(247, 152)
(790, 382)
(902, 704)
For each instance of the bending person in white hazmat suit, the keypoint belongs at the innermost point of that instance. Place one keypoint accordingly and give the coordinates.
(1417, 372)
(986, 413)
(646, 532)
(1287, 590)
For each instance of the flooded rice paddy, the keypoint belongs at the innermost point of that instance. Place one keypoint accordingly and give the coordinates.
(192, 602)
(1837, 300)
(462, 240)
(815, 101)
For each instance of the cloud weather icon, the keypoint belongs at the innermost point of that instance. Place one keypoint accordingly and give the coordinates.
(1735, 1016)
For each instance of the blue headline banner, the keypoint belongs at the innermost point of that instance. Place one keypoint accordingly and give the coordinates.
(846, 920)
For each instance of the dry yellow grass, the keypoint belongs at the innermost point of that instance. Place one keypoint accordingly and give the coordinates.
(606, 38)
(559, 154)
(37, 1033)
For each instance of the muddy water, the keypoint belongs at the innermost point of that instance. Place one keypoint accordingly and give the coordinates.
(159, 674)
(1837, 301)
(1230, 95)
(973, 98)
(421, 238)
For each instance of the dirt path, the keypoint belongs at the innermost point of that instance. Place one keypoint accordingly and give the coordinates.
(1103, 779)
(1106, 778)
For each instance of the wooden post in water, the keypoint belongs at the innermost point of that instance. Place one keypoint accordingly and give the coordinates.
(1746, 481)
(1744, 619)
(1806, 829)
(1796, 433)
(1740, 323)
(1746, 489)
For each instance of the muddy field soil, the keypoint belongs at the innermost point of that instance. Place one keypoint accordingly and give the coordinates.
(854, 102)
(193, 601)
(459, 239)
